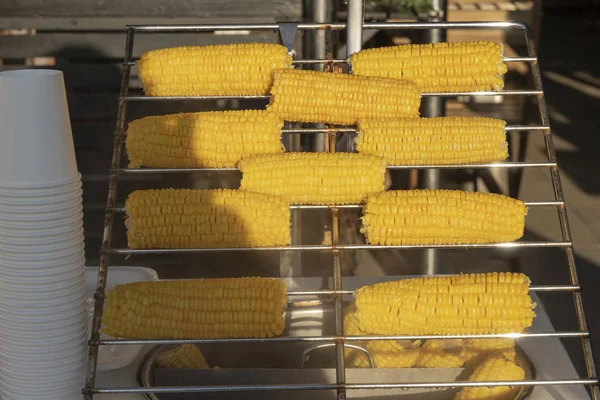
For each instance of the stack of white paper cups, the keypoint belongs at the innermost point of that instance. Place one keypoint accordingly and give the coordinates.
(42, 300)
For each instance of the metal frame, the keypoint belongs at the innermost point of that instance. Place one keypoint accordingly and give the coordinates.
(336, 295)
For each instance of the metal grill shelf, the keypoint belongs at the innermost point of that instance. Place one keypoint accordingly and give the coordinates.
(336, 295)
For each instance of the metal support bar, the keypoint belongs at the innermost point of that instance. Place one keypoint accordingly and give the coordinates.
(434, 107)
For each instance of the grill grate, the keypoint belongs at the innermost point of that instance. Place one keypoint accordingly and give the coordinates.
(335, 296)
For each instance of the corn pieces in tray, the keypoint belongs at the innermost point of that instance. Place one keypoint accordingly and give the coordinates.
(490, 303)
(312, 96)
(435, 141)
(218, 139)
(197, 309)
(217, 70)
(439, 67)
(385, 353)
(437, 217)
(183, 218)
(500, 366)
(315, 178)
(184, 356)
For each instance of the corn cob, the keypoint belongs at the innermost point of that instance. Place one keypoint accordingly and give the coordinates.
(216, 139)
(221, 70)
(437, 141)
(466, 304)
(440, 67)
(385, 353)
(197, 309)
(430, 217)
(314, 178)
(394, 354)
(184, 356)
(312, 96)
(181, 218)
(497, 367)
(441, 354)
(354, 358)
(476, 350)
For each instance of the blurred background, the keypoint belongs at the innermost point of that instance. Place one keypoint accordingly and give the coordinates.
(86, 40)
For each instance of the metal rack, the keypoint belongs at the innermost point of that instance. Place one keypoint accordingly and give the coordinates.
(337, 293)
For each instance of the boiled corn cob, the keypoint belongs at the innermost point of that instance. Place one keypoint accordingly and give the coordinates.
(184, 356)
(393, 353)
(385, 353)
(437, 141)
(476, 350)
(430, 217)
(314, 178)
(441, 354)
(182, 218)
(219, 70)
(354, 358)
(312, 96)
(439, 67)
(196, 309)
(217, 139)
(498, 367)
(465, 304)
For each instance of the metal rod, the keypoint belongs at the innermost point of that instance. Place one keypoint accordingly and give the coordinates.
(563, 219)
(109, 219)
(305, 131)
(330, 339)
(121, 210)
(542, 288)
(433, 107)
(334, 26)
(345, 386)
(509, 245)
(425, 94)
(543, 164)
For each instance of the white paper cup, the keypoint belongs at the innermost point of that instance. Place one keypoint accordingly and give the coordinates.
(45, 269)
(35, 387)
(43, 293)
(45, 198)
(42, 190)
(37, 351)
(36, 142)
(42, 207)
(39, 233)
(24, 332)
(31, 283)
(67, 243)
(36, 240)
(39, 258)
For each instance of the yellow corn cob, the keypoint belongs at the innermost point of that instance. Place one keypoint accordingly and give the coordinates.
(182, 218)
(428, 217)
(184, 356)
(385, 353)
(314, 178)
(464, 304)
(440, 67)
(476, 350)
(312, 96)
(437, 141)
(393, 354)
(215, 139)
(497, 367)
(441, 354)
(221, 70)
(354, 358)
(196, 309)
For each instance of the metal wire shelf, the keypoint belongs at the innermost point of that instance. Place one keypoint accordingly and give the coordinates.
(336, 295)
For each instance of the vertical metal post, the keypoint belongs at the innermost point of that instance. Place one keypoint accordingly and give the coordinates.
(290, 262)
(353, 44)
(321, 13)
(433, 107)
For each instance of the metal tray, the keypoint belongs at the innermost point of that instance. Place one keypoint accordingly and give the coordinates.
(288, 363)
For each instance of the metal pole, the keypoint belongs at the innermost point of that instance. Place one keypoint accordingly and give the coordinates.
(433, 107)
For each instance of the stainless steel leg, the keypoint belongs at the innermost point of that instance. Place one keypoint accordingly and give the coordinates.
(433, 107)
